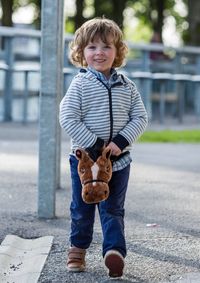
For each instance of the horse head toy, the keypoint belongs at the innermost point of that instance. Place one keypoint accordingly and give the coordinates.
(94, 176)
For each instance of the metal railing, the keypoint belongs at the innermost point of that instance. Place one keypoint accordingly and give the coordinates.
(180, 69)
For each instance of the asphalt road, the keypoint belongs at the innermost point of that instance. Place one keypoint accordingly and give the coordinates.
(162, 210)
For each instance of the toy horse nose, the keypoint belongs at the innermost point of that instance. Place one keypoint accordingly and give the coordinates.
(91, 193)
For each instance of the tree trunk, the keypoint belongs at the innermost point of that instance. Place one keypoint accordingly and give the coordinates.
(118, 9)
(160, 19)
(7, 9)
(79, 19)
(103, 8)
(157, 22)
(194, 22)
(6, 20)
(37, 20)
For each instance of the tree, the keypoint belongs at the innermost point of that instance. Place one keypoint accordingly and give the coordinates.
(103, 8)
(111, 9)
(152, 13)
(37, 14)
(79, 19)
(118, 9)
(7, 10)
(193, 35)
(158, 20)
(9, 6)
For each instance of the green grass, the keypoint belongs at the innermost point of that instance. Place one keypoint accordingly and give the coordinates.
(186, 136)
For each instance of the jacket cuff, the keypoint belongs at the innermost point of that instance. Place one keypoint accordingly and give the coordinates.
(120, 141)
(95, 150)
(98, 144)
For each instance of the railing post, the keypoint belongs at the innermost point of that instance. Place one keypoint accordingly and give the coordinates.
(162, 101)
(197, 89)
(163, 78)
(181, 100)
(147, 83)
(9, 58)
(25, 100)
(51, 91)
(180, 80)
(197, 99)
(196, 82)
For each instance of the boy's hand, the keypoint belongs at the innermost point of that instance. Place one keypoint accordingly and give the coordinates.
(115, 150)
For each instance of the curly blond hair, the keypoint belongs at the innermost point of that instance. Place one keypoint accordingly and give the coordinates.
(102, 28)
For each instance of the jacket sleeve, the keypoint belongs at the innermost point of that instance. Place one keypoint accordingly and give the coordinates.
(70, 116)
(137, 123)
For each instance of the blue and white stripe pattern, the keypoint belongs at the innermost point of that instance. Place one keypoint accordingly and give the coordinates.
(91, 108)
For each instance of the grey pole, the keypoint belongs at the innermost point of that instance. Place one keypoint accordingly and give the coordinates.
(8, 96)
(50, 96)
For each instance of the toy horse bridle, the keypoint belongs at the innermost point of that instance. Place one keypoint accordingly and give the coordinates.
(93, 181)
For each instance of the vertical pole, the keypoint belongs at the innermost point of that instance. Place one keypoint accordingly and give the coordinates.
(147, 83)
(50, 96)
(146, 94)
(162, 101)
(9, 57)
(145, 61)
(181, 100)
(197, 90)
(25, 100)
(197, 100)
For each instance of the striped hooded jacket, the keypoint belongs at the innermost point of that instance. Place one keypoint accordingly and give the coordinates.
(92, 111)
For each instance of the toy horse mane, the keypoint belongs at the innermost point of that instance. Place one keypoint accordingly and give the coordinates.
(94, 176)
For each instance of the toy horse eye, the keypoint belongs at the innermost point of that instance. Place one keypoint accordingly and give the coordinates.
(108, 168)
(82, 170)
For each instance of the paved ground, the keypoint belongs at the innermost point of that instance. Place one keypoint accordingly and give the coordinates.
(164, 190)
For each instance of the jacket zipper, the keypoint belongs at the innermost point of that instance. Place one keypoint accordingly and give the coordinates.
(111, 114)
(109, 89)
(111, 111)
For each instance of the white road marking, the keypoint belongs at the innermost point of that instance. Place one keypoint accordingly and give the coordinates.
(22, 260)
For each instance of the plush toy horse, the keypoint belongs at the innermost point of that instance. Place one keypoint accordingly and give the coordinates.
(94, 176)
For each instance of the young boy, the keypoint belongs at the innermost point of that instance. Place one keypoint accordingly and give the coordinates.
(101, 108)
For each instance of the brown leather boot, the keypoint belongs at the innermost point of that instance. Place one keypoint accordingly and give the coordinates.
(76, 259)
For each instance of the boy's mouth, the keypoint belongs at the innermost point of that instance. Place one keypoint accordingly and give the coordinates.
(99, 60)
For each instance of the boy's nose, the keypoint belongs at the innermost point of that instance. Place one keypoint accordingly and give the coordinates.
(99, 51)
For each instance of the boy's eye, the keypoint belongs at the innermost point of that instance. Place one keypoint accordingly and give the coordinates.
(91, 47)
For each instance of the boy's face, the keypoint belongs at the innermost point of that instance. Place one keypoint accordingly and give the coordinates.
(100, 55)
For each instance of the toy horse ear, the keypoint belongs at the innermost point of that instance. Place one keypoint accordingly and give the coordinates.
(106, 152)
(79, 153)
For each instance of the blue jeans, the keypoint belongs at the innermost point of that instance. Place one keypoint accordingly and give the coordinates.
(111, 212)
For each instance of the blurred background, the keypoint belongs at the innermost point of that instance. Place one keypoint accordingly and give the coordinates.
(164, 58)
(176, 21)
